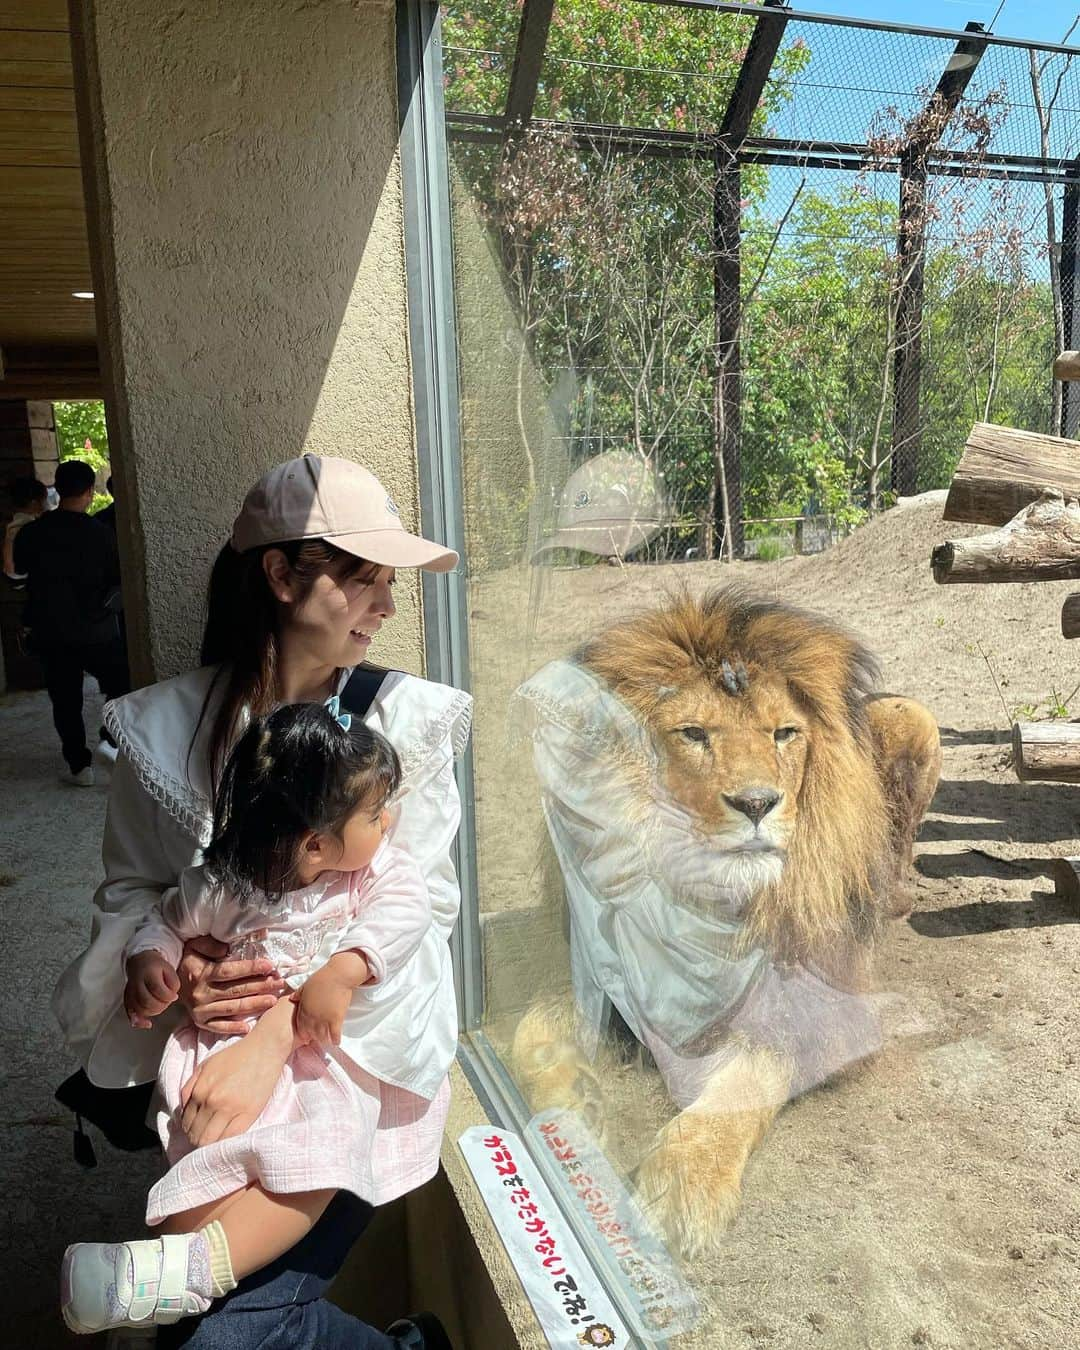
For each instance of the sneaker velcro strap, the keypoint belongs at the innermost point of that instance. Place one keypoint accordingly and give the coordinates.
(159, 1279)
(173, 1298)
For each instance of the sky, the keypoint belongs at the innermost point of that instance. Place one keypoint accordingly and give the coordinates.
(1041, 20)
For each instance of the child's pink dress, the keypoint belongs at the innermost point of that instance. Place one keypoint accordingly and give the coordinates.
(325, 1121)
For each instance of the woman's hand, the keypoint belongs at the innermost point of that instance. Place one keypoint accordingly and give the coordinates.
(322, 1003)
(227, 1092)
(152, 986)
(221, 994)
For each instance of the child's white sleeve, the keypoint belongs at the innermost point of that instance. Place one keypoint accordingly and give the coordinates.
(394, 916)
(185, 911)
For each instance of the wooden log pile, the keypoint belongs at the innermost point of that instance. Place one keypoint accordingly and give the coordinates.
(1028, 485)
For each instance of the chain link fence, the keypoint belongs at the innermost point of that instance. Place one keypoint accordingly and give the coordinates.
(788, 321)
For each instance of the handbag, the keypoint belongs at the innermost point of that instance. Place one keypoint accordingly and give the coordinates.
(120, 1113)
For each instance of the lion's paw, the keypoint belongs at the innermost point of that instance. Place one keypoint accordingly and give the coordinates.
(686, 1191)
(554, 1074)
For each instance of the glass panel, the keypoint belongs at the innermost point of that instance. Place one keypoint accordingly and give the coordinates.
(693, 829)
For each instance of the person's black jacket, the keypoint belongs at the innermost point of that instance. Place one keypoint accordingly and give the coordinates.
(73, 578)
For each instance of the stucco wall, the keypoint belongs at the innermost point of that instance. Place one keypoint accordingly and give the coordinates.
(251, 274)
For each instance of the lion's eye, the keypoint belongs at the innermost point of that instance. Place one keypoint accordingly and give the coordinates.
(696, 734)
(784, 734)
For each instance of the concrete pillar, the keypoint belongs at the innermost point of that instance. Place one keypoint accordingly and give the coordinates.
(245, 219)
(27, 447)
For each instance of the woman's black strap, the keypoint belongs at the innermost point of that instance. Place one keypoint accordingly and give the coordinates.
(361, 687)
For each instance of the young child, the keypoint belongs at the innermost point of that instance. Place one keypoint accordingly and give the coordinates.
(297, 871)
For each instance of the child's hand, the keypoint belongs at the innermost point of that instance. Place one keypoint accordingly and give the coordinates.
(152, 985)
(324, 1000)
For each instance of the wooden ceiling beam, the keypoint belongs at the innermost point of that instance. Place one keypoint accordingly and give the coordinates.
(44, 252)
(34, 14)
(35, 74)
(34, 45)
(56, 100)
(38, 119)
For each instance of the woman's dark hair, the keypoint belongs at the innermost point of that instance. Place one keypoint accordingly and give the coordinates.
(241, 632)
(293, 772)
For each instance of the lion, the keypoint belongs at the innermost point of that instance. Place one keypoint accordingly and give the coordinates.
(767, 771)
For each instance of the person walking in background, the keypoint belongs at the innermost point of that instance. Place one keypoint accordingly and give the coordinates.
(30, 500)
(73, 609)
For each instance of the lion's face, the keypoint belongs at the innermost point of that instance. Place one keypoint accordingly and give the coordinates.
(757, 713)
(736, 764)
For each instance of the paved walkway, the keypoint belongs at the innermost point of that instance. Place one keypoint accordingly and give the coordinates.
(50, 841)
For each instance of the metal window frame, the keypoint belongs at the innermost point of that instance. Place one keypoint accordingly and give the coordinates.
(433, 352)
(436, 402)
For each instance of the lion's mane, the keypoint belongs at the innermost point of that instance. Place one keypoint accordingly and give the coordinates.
(825, 909)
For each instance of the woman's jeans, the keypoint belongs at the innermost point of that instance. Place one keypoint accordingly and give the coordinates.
(282, 1307)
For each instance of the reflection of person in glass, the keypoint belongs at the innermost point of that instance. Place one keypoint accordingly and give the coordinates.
(733, 813)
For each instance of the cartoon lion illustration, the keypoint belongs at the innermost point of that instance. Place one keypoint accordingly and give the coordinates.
(733, 810)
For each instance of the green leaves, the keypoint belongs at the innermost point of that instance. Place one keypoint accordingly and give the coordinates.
(79, 421)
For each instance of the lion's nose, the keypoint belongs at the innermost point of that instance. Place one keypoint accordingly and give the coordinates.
(754, 802)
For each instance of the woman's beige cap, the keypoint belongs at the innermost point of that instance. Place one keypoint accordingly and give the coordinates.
(316, 497)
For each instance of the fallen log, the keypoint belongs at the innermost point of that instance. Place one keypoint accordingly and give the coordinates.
(1070, 616)
(1002, 470)
(1066, 874)
(1046, 752)
(1067, 366)
(1041, 544)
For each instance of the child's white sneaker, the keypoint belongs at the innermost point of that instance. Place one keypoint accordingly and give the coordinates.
(130, 1284)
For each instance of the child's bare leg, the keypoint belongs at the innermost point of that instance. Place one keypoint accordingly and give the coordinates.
(202, 1254)
(258, 1226)
(191, 1220)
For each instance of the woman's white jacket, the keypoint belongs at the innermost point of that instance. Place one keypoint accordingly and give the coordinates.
(158, 822)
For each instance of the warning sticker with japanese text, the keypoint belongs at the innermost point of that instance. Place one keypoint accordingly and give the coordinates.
(568, 1298)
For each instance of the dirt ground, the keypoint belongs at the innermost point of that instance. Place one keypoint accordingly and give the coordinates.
(929, 1198)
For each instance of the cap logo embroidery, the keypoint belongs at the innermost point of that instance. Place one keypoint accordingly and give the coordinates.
(391, 507)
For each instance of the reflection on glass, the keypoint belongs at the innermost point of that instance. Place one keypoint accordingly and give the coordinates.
(731, 828)
(693, 816)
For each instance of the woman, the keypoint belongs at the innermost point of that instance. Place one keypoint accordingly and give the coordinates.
(295, 599)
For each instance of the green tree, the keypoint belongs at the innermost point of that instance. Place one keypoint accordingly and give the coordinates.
(79, 421)
(610, 260)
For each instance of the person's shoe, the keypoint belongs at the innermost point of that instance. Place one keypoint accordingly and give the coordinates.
(126, 1284)
(84, 777)
(421, 1331)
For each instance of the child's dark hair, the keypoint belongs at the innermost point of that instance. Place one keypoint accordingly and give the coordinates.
(294, 771)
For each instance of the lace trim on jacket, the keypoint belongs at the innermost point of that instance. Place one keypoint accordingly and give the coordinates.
(192, 810)
(180, 802)
(567, 696)
(454, 723)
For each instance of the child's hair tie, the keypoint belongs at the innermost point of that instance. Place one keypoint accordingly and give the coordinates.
(333, 707)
